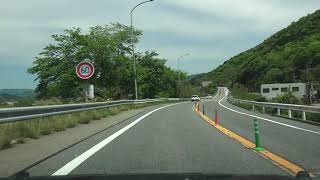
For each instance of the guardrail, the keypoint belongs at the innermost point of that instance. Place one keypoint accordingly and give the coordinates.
(279, 107)
(25, 113)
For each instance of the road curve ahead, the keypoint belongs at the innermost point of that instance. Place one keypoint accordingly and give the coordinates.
(294, 141)
(172, 139)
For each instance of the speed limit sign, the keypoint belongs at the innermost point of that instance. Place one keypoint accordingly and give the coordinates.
(84, 70)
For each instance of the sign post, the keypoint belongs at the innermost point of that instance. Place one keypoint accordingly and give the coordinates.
(85, 70)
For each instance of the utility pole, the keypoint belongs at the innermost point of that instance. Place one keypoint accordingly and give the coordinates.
(309, 84)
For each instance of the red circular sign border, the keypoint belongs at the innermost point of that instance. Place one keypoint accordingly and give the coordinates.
(78, 70)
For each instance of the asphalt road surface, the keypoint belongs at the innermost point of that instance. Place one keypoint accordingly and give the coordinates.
(292, 140)
(174, 139)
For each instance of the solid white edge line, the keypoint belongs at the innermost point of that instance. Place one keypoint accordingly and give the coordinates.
(265, 119)
(66, 169)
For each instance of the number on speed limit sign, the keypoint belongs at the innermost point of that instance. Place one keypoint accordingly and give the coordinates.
(84, 70)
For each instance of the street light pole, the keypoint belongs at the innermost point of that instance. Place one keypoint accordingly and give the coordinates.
(179, 66)
(132, 54)
(179, 70)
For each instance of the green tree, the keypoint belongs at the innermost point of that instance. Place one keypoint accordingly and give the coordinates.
(106, 47)
(109, 49)
(274, 75)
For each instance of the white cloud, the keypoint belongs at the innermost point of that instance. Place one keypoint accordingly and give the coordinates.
(209, 29)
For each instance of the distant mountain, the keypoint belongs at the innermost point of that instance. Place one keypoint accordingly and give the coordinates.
(290, 55)
(19, 93)
(8, 98)
(195, 76)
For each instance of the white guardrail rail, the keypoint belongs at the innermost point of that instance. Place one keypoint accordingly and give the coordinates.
(279, 107)
(31, 112)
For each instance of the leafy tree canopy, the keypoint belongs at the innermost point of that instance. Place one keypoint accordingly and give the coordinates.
(108, 48)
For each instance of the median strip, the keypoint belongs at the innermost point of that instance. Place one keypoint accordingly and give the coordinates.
(284, 164)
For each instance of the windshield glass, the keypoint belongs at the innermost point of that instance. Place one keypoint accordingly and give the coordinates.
(159, 86)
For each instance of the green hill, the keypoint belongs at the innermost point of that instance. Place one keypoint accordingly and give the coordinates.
(17, 93)
(8, 98)
(281, 58)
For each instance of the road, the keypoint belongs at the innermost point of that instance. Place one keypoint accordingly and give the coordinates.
(292, 140)
(175, 139)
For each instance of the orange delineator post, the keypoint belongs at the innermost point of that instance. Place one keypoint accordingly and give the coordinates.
(216, 119)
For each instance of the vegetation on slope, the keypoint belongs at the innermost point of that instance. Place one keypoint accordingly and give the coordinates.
(285, 57)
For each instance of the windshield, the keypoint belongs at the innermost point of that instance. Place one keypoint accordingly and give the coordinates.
(159, 86)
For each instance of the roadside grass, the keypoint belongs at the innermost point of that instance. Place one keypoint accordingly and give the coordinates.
(313, 117)
(243, 93)
(17, 132)
(3, 105)
(244, 106)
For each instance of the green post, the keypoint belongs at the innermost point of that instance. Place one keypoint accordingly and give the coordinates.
(257, 136)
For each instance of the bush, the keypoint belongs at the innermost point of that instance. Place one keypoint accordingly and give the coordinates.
(28, 129)
(261, 99)
(5, 141)
(287, 99)
(95, 115)
(84, 118)
(24, 102)
(59, 124)
(313, 117)
(5, 105)
(114, 110)
(51, 101)
(243, 93)
(70, 121)
(162, 94)
(45, 127)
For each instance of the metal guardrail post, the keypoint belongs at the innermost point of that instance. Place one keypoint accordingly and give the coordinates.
(280, 106)
(304, 116)
(289, 113)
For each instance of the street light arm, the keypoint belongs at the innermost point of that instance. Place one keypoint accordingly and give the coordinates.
(132, 13)
(139, 5)
(183, 56)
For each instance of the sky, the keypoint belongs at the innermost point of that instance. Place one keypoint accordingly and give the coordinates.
(211, 31)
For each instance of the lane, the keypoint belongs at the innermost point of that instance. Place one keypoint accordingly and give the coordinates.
(295, 145)
(54, 163)
(175, 140)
